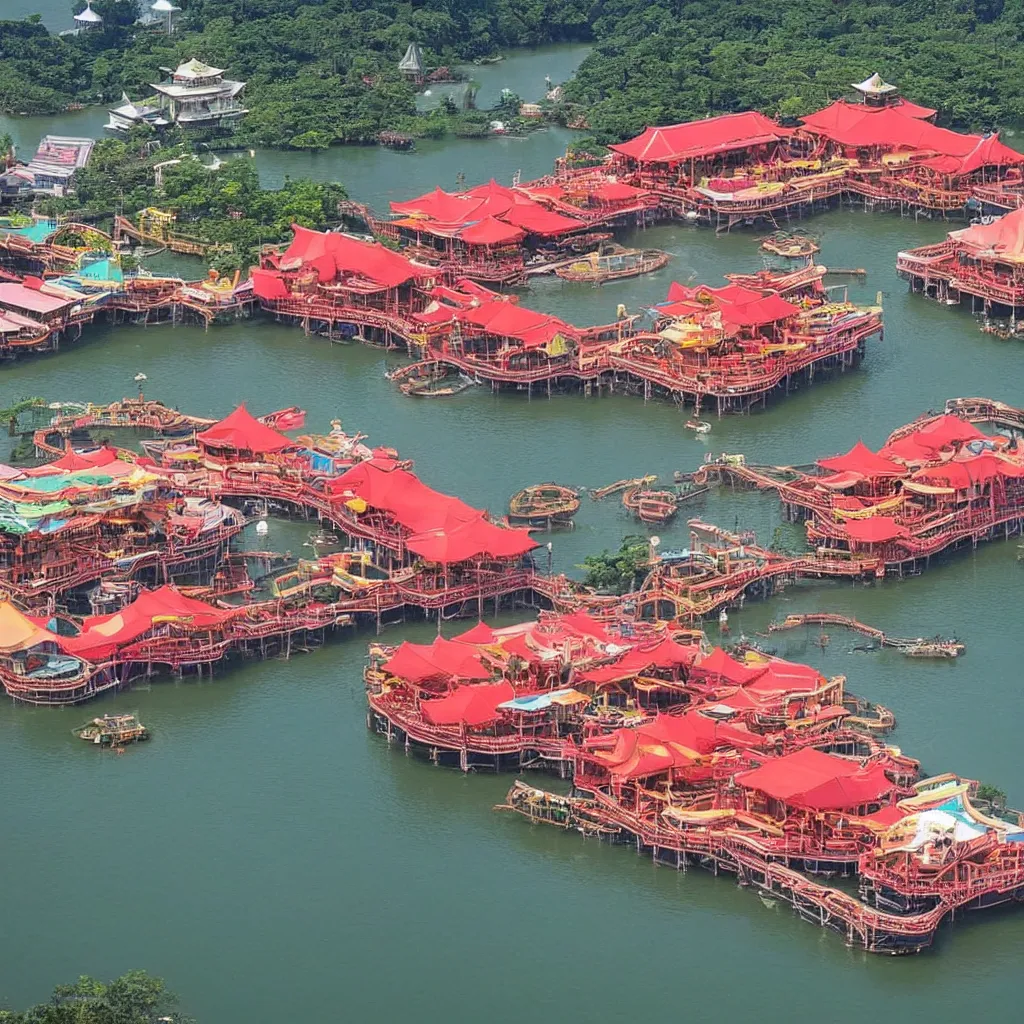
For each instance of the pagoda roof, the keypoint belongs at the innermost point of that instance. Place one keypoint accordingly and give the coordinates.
(874, 86)
(195, 68)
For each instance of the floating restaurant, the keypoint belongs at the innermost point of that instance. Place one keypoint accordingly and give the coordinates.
(882, 151)
(754, 766)
(937, 483)
(96, 527)
(983, 264)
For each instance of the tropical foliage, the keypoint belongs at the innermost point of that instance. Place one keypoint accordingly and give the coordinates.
(618, 572)
(325, 71)
(222, 204)
(134, 998)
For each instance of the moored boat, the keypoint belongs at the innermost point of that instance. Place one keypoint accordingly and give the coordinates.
(597, 267)
(791, 245)
(544, 504)
(698, 426)
(113, 731)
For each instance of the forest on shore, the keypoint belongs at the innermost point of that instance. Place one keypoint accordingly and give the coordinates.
(325, 71)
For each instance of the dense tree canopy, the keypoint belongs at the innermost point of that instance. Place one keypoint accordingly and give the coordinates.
(325, 71)
(669, 61)
(134, 998)
(222, 205)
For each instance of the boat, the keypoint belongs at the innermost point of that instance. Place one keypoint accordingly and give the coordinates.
(396, 140)
(698, 426)
(436, 385)
(790, 245)
(598, 267)
(650, 506)
(621, 485)
(544, 505)
(113, 731)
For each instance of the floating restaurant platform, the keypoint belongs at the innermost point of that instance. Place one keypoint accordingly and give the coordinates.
(752, 766)
(982, 264)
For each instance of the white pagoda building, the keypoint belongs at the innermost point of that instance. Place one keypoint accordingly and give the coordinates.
(199, 96)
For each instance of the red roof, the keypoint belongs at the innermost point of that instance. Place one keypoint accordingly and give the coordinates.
(816, 781)
(481, 633)
(509, 320)
(438, 205)
(874, 530)
(102, 635)
(241, 431)
(925, 443)
(491, 231)
(468, 705)
(539, 220)
(767, 309)
(461, 541)
(702, 138)
(960, 474)
(443, 659)
(722, 667)
(33, 300)
(268, 284)
(862, 460)
(784, 677)
(892, 127)
(1002, 237)
(335, 255)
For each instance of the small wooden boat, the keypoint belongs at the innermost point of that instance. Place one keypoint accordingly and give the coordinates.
(113, 731)
(621, 485)
(544, 505)
(436, 386)
(698, 426)
(934, 649)
(790, 245)
(597, 267)
(649, 506)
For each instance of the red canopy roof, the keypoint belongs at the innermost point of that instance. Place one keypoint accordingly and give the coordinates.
(539, 220)
(702, 138)
(268, 284)
(491, 231)
(784, 677)
(102, 635)
(926, 442)
(722, 667)
(460, 541)
(766, 309)
(509, 320)
(861, 459)
(1002, 237)
(335, 255)
(891, 127)
(481, 633)
(874, 530)
(443, 659)
(468, 705)
(438, 205)
(989, 152)
(241, 431)
(71, 461)
(816, 781)
(960, 474)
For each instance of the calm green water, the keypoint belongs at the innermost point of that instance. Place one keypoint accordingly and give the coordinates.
(275, 861)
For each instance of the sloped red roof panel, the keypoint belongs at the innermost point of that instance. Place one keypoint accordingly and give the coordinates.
(874, 530)
(702, 138)
(241, 431)
(491, 231)
(468, 705)
(862, 460)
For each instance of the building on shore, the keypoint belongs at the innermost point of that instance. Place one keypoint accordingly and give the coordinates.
(56, 160)
(194, 95)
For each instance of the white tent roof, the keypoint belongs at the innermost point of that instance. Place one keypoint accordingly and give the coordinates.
(874, 86)
(163, 7)
(196, 69)
(413, 59)
(88, 16)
